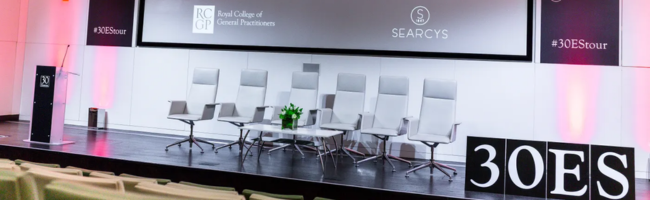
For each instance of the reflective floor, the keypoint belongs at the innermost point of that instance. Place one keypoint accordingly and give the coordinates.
(150, 148)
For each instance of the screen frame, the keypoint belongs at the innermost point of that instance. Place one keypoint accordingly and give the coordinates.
(359, 52)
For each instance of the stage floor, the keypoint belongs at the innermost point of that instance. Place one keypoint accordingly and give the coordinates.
(149, 148)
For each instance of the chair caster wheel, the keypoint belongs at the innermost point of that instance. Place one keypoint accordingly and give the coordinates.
(179, 145)
(216, 151)
(455, 173)
(451, 180)
(166, 149)
(201, 152)
(230, 147)
(394, 170)
(407, 176)
(213, 147)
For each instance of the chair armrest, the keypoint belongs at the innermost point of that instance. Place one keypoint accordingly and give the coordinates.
(403, 126)
(177, 107)
(454, 130)
(367, 119)
(412, 125)
(259, 114)
(208, 111)
(227, 109)
(325, 115)
(312, 116)
(276, 112)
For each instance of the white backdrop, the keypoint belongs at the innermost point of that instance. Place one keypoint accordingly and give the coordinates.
(564, 103)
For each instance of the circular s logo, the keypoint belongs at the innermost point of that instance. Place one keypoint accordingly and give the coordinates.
(420, 15)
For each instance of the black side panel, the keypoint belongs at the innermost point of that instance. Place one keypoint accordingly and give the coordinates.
(43, 100)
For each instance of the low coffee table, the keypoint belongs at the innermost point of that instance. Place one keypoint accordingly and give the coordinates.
(315, 133)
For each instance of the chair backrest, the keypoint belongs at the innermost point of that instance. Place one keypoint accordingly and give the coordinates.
(44, 177)
(252, 91)
(304, 91)
(349, 99)
(438, 111)
(392, 102)
(129, 183)
(17, 185)
(27, 166)
(203, 90)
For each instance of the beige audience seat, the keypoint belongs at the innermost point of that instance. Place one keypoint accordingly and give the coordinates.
(262, 197)
(44, 177)
(19, 162)
(17, 185)
(6, 161)
(27, 166)
(207, 186)
(69, 190)
(87, 172)
(188, 187)
(161, 181)
(9, 167)
(129, 183)
(164, 191)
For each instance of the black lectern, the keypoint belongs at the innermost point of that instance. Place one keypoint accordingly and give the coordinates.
(48, 113)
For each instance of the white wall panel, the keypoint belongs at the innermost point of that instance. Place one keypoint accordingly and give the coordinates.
(578, 104)
(160, 75)
(7, 66)
(107, 82)
(9, 18)
(57, 22)
(18, 77)
(230, 65)
(636, 114)
(495, 99)
(51, 55)
(635, 30)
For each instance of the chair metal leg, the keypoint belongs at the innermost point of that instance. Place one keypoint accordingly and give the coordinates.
(367, 159)
(177, 143)
(445, 166)
(401, 160)
(238, 142)
(443, 171)
(299, 151)
(197, 144)
(355, 152)
(278, 148)
(224, 146)
(389, 162)
(203, 141)
(428, 164)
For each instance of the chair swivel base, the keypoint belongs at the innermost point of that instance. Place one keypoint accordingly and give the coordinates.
(239, 142)
(342, 149)
(191, 140)
(434, 165)
(384, 156)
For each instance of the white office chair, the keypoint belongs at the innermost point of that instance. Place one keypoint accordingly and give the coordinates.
(304, 94)
(389, 115)
(348, 106)
(249, 106)
(199, 105)
(437, 123)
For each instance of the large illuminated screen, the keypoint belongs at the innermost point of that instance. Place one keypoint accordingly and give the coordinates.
(446, 28)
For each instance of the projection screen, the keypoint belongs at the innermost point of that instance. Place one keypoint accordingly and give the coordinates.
(483, 29)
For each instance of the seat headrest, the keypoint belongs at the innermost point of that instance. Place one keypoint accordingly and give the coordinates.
(253, 77)
(394, 85)
(439, 89)
(305, 80)
(205, 76)
(351, 83)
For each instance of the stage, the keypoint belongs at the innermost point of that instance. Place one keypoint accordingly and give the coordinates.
(287, 172)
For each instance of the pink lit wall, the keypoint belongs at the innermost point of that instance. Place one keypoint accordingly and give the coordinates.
(10, 11)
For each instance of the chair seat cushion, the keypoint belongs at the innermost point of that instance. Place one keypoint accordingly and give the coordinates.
(185, 117)
(339, 126)
(236, 119)
(379, 131)
(279, 122)
(430, 138)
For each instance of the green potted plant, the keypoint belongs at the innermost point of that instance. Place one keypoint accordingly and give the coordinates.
(290, 116)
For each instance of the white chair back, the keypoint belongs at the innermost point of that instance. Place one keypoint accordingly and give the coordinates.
(392, 102)
(252, 91)
(438, 112)
(349, 99)
(304, 91)
(203, 90)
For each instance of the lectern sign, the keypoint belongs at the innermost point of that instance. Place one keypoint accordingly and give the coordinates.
(45, 81)
(580, 32)
(549, 170)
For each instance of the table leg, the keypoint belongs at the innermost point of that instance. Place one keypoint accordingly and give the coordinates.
(247, 150)
(327, 148)
(261, 147)
(242, 143)
(322, 165)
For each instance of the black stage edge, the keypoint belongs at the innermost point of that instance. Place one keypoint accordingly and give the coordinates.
(4, 118)
(282, 172)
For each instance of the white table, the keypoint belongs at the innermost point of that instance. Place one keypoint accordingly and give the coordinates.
(315, 133)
